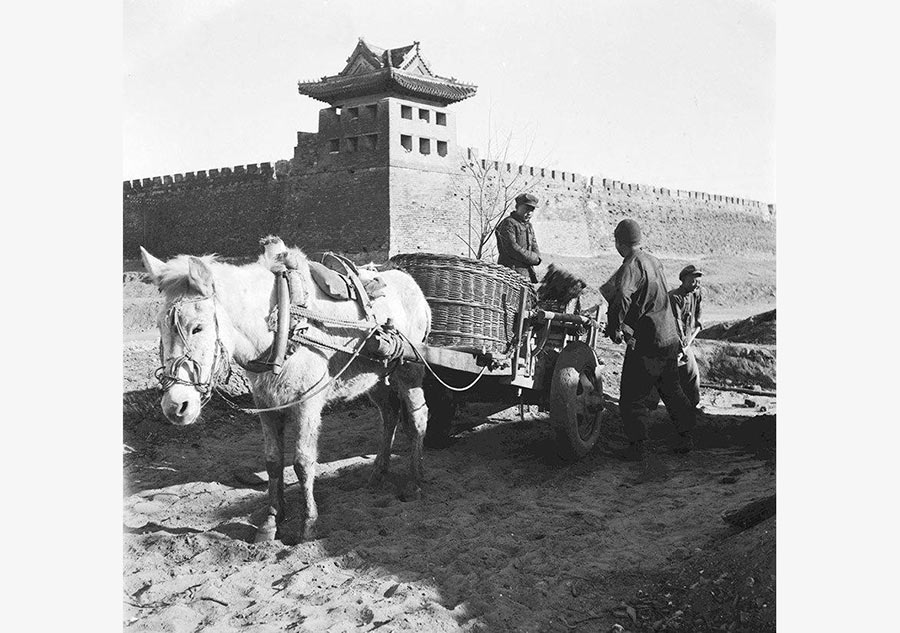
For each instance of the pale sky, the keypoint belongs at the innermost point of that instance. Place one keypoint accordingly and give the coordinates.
(675, 93)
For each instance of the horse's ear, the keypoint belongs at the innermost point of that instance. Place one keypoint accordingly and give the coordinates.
(156, 267)
(200, 276)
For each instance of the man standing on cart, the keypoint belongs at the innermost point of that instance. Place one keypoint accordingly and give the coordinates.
(639, 313)
(517, 247)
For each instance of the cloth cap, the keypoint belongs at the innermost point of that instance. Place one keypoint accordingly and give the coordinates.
(628, 232)
(527, 198)
(690, 269)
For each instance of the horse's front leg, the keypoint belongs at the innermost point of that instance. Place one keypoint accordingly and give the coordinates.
(308, 419)
(273, 438)
(415, 422)
(388, 404)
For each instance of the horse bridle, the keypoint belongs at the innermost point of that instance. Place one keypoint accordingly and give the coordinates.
(167, 373)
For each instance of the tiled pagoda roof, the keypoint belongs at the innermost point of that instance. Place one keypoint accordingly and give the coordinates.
(372, 70)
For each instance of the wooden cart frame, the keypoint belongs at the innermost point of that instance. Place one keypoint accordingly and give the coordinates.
(552, 363)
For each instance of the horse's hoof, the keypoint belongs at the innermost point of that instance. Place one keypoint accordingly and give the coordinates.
(266, 531)
(265, 534)
(308, 533)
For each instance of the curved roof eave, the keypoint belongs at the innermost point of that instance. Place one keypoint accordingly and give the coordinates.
(331, 89)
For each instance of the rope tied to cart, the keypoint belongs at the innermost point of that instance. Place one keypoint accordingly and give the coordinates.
(421, 359)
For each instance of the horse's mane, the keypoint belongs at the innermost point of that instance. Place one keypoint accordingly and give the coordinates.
(175, 278)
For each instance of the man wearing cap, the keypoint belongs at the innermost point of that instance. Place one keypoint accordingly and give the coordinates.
(517, 246)
(639, 312)
(685, 301)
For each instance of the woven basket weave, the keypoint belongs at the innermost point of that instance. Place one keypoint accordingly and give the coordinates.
(473, 303)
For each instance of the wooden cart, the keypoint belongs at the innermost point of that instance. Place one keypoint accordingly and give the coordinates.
(491, 341)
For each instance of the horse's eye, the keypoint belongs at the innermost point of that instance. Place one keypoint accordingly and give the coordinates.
(197, 329)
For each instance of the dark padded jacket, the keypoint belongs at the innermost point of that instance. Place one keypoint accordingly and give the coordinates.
(517, 247)
(687, 310)
(641, 302)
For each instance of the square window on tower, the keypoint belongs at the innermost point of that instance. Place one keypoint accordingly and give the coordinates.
(353, 143)
(425, 146)
(442, 148)
(334, 145)
(371, 141)
(425, 115)
(406, 142)
(371, 111)
(440, 118)
(353, 112)
(406, 112)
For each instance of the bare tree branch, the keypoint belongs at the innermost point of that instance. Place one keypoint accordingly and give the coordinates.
(493, 185)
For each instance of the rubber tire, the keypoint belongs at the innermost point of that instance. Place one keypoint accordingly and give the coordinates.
(442, 407)
(576, 400)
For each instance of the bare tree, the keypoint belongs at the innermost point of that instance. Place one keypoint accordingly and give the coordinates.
(490, 190)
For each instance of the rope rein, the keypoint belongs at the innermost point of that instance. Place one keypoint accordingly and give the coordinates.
(324, 318)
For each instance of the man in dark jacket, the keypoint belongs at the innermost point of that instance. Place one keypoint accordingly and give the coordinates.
(685, 302)
(517, 246)
(639, 312)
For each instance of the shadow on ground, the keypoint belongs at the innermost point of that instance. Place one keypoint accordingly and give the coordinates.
(507, 536)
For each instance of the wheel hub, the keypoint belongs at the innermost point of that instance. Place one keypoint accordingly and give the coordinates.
(588, 404)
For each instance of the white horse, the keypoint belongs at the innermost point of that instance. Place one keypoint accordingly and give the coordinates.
(213, 310)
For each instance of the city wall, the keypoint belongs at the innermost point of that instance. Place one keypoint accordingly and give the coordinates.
(371, 212)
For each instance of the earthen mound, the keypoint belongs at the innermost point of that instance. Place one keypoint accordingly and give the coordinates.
(758, 329)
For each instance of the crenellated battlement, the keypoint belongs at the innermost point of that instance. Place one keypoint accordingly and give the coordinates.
(573, 180)
(254, 172)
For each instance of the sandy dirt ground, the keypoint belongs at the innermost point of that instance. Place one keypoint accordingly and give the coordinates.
(506, 537)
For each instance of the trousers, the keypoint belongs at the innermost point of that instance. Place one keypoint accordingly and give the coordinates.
(640, 374)
(689, 377)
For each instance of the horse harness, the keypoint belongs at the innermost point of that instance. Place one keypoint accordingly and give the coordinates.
(289, 319)
(167, 372)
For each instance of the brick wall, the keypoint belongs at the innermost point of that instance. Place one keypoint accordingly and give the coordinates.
(202, 212)
(371, 205)
(342, 210)
(577, 215)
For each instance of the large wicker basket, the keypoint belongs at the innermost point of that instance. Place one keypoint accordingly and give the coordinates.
(473, 303)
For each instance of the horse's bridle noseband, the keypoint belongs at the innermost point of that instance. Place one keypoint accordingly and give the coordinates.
(167, 373)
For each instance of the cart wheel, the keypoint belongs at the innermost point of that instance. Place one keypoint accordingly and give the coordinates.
(441, 413)
(576, 400)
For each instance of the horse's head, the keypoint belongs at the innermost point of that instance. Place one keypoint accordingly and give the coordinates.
(191, 351)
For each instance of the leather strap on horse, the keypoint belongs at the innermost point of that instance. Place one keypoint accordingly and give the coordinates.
(291, 298)
(277, 353)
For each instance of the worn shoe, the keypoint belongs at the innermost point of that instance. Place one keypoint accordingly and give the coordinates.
(685, 443)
